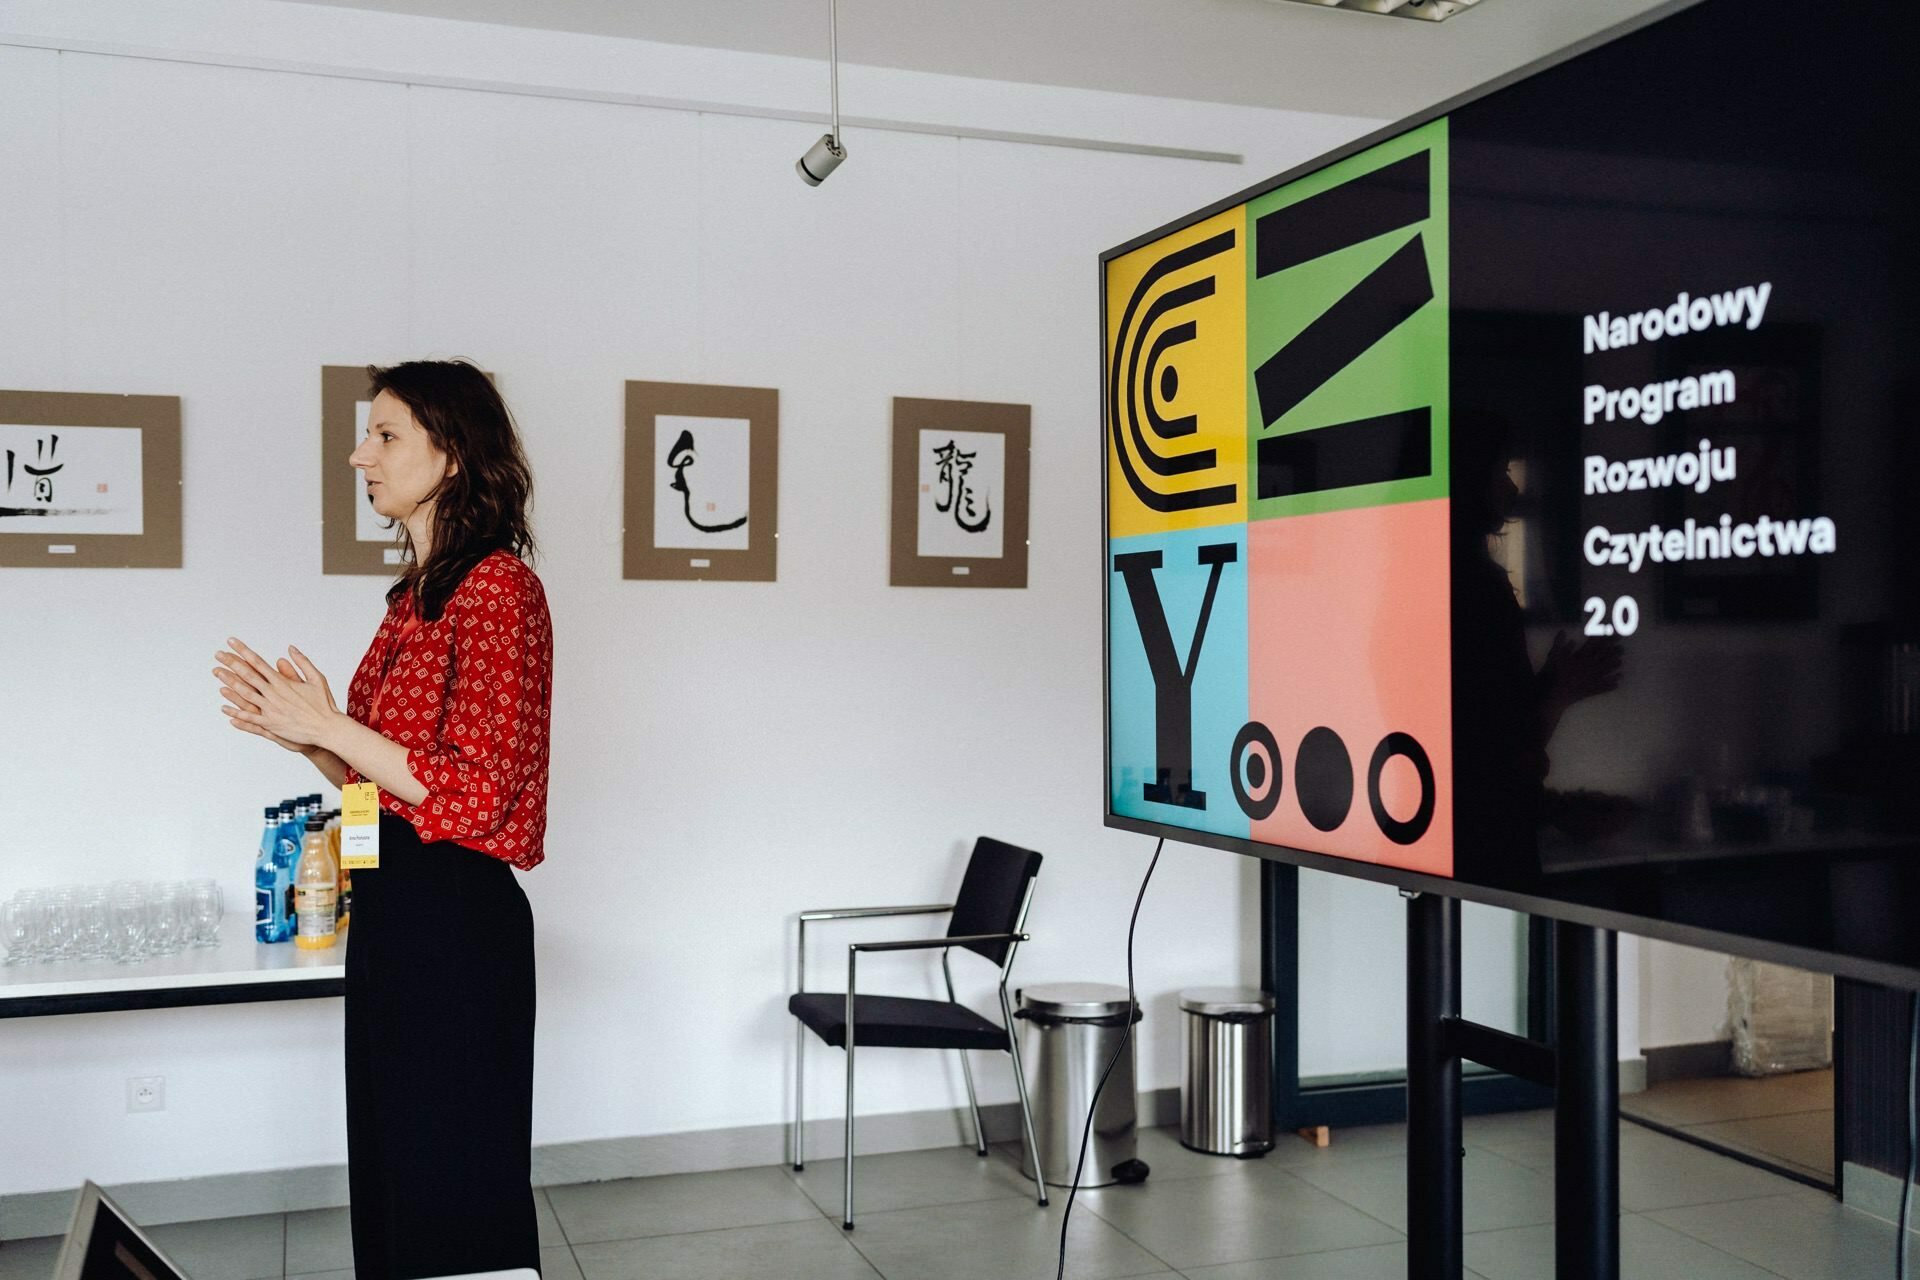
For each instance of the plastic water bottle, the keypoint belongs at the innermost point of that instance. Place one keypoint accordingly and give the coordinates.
(286, 852)
(316, 883)
(265, 881)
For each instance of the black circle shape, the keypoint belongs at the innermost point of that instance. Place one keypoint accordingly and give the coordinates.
(1401, 744)
(1251, 733)
(1323, 775)
(1256, 771)
(1169, 382)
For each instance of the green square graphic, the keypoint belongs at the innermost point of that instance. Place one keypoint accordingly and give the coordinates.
(1347, 306)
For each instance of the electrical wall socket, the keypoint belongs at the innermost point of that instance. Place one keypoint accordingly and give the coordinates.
(146, 1093)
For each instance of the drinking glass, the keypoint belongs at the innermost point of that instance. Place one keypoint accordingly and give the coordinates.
(92, 924)
(204, 911)
(127, 909)
(164, 920)
(19, 928)
(56, 925)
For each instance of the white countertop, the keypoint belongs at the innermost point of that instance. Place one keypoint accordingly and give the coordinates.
(237, 960)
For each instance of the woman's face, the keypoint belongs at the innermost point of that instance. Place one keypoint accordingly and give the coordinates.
(398, 462)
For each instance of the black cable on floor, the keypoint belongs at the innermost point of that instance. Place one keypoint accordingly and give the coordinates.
(1126, 1044)
(1902, 1242)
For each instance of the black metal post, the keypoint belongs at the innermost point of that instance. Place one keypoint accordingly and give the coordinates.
(1586, 1167)
(1433, 1090)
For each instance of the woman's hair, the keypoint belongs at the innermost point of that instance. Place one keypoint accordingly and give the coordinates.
(482, 506)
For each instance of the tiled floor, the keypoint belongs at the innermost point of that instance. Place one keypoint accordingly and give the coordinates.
(1786, 1120)
(1300, 1214)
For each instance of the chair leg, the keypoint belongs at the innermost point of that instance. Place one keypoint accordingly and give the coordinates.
(973, 1104)
(799, 1095)
(846, 1191)
(1026, 1118)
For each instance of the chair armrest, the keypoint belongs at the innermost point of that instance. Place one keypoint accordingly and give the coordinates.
(922, 944)
(849, 913)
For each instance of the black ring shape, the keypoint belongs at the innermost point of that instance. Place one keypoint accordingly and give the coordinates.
(1251, 732)
(1401, 744)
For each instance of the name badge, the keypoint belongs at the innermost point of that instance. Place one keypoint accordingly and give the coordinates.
(360, 826)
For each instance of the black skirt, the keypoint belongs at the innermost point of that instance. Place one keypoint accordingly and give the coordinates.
(439, 1052)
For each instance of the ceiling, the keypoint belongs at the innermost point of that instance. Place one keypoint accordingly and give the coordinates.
(1249, 52)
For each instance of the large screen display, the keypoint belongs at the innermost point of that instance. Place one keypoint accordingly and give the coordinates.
(1517, 503)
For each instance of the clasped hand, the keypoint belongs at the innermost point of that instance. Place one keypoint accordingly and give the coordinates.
(287, 703)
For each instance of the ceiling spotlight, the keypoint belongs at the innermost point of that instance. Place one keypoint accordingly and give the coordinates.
(824, 156)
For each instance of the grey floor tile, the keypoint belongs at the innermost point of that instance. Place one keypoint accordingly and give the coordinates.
(226, 1248)
(324, 1275)
(1803, 1236)
(634, 1207)
(912, 1180)
(1507, 1129)
(1375, 1262)
(319, 1240)
(816, 1250)
(557, 1263)
(1708, 1101)
(1648, 1251)
(29, 1259)
(1362, 1142)
(1196, 1222)
(1003, 1239)
(550, 1232)
(1161, 1149)
(1802, 1141)
(1497, 1193)
(1658, 1172)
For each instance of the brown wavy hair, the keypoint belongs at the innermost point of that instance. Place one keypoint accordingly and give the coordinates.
(482, 506)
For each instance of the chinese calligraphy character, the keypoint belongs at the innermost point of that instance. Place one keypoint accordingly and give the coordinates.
(44, 450)
(959, 496)
(679, 458)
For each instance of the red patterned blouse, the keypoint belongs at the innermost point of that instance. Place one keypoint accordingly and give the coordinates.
(468, 696)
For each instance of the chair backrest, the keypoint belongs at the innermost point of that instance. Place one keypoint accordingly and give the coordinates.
(992, 893)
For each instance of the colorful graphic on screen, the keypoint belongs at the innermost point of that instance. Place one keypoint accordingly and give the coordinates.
(1277, 516)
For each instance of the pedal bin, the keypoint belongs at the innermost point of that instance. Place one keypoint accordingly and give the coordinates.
(1226, 1095)
(1071, 1032)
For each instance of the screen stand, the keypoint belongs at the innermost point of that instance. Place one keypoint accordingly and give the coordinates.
(1581, 1068)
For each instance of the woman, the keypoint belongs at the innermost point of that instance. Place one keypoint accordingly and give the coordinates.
(447, 715)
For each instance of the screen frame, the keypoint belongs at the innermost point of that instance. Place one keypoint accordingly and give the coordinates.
(1881, 972)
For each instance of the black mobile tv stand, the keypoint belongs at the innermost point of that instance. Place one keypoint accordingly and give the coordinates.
(1579, 1065)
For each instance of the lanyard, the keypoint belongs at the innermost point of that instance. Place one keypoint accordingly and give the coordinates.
(407, 627)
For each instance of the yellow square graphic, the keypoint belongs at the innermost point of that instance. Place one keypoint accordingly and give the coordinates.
(1176, 380)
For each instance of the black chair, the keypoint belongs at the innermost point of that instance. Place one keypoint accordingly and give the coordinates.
(987, 918)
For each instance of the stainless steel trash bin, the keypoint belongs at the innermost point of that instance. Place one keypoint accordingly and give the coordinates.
(1072, 1030)
(1226, 1095)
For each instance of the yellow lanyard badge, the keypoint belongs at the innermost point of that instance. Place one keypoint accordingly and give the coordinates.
(360, 826)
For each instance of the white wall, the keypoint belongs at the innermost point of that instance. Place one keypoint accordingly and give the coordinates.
(1683, 992)
(723, 754)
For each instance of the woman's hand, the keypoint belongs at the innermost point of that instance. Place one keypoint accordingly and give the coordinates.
(289, 704)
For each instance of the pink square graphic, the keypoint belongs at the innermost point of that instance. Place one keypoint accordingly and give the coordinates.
(1348, 630)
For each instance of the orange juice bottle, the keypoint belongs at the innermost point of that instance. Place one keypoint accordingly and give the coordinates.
(316, 890)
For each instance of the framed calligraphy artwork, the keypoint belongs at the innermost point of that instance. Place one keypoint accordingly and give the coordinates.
(960, 481)
(89, 481)
(702, 482)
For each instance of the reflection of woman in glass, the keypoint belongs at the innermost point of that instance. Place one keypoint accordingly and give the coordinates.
(1506, 712)
(447, 714)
